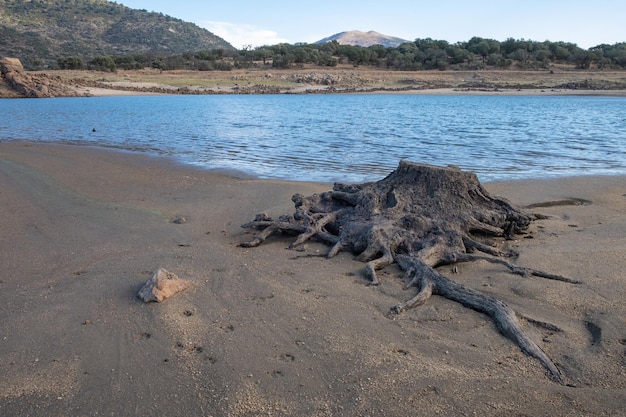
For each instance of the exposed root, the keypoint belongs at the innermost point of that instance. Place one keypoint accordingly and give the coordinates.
(420, 217)
(502, 315)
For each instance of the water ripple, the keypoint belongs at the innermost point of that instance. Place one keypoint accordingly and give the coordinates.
(350, 138)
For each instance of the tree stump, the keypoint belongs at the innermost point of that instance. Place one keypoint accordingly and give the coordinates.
(420, 217)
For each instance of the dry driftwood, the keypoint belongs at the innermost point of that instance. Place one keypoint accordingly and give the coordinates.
(420, 217)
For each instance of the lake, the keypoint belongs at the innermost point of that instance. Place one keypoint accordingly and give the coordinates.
(348, 138)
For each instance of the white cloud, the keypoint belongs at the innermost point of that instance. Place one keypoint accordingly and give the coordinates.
(242, 35)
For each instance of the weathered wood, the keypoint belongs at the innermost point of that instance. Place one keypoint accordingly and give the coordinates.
(420, 217)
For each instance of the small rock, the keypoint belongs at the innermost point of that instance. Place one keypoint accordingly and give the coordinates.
(163, 284)
(179, 220)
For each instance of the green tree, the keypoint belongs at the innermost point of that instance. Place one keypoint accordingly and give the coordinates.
(262, 54)
(331, 48)
(283, 56)
(611, 56)
(158, 64)
(459, 55)
(483, 47)
(103, 63)
(583, 59)
(71, 63)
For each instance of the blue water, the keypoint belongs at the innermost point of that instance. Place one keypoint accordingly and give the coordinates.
(350, 138)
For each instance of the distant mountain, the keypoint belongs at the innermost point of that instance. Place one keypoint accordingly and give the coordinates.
(40, 32)
(358, 38)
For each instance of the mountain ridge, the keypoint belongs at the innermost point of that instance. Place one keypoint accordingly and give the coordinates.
(364, 39)
(41, 32)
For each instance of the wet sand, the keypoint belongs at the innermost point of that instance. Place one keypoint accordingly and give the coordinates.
(269, 331)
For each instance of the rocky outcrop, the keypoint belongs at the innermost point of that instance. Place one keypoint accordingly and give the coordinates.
(323, 78)
(19, 83)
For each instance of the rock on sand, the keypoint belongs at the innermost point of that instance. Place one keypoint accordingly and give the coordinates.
(162, 285)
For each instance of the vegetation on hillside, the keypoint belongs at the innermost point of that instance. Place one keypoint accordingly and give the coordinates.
(104, 35)
(422, 54)
(42, 32)
(428, 54)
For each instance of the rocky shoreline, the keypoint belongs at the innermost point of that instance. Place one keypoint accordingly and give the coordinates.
(16, 82)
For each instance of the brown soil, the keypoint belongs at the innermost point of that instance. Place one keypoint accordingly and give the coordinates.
(342, 79)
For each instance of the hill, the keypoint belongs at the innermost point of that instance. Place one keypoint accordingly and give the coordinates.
(41, 32)
(365, 39)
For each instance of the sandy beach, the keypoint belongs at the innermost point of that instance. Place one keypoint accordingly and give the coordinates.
(276, 332)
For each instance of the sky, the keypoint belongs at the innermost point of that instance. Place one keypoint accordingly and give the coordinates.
(252, 23)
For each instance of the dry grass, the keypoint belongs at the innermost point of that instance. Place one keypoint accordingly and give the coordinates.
(349, 78)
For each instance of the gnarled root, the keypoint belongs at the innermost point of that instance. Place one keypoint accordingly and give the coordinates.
(505, 319)
(421, 217)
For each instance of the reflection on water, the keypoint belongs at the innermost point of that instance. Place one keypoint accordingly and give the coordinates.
(350, 138)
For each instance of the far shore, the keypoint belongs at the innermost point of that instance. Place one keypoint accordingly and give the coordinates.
(112, 92)
(512, 92)
(341, 79)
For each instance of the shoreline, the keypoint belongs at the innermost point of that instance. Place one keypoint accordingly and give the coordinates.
(344, 79)
(269, 330)
(236, 174)
(538, 92)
